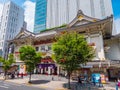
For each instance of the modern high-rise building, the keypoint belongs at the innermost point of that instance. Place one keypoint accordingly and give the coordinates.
(12, 21)
(40, 15)
(52, 13)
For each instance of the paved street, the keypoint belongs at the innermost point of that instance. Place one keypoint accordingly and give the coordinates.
(12, 86)
(45, 82)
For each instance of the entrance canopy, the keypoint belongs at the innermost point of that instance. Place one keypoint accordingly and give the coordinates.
(46, 65)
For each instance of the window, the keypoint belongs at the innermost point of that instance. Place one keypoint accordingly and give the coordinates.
(49, 47)
(1, 44)
(37, 48)
(4, 30)
(9, 36)
(42, 48)
(6, 17)
(3, 36)
(7, 11)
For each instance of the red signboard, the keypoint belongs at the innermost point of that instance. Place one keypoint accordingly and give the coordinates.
(47, 60)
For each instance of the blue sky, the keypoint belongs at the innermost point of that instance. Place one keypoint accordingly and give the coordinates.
(116, 11)
(116, 8)
(20, 2)
(29, 4)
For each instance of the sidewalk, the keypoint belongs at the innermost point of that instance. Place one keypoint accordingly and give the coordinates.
(55, 85)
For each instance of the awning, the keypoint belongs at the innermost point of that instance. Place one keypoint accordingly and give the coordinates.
(95, 64)
(102, 64)
(46, 65)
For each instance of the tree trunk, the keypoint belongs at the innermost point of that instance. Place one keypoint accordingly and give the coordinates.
(30, 77)
(5, 74)
(69, 81)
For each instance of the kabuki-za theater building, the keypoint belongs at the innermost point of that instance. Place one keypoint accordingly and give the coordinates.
(95, 30)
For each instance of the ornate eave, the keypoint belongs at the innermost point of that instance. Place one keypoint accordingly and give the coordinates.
(91, 26)
(22, 37)
(46, 35)
(24, 33)
(104, 25)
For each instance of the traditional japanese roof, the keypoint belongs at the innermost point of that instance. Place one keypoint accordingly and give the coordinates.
(81, 19)
(81, 24)
(24, 33)
(46, 35)
(85, 24)
(23, 36)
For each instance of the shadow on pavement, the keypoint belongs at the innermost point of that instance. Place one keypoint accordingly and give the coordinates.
(72, 85)
(39, 81)
(78, 86)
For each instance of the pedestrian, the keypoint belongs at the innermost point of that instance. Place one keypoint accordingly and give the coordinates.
(94, 81)
(52, 78)
(79, 80)
(100, 81)
(21, 75)
(116, 85)
(118, 82)
(17, 74)
(59, 77)
(12, 76)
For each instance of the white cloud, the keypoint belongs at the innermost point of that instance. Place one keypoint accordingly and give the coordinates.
(29, 14)
(117, 25)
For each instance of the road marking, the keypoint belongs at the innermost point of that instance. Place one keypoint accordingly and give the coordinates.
(6, 84)
(61, 89)
(43, 87)
(15, 84)
(3, 86)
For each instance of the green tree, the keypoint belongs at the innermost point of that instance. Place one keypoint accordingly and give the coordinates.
(30, 57)
(7, 63)
(71, 50)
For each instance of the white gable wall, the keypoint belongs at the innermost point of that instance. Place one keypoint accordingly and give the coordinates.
(114, 52)
(99, 50)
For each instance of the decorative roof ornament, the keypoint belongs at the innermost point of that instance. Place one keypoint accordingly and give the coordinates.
(80, 12)
(82, 19)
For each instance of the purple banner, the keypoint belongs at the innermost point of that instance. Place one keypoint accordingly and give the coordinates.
(46, 65)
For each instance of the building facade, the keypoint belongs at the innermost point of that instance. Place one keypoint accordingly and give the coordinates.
(96, 32)
(59, 12)
(11, 22)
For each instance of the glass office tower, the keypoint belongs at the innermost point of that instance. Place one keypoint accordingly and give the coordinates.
(40, 15)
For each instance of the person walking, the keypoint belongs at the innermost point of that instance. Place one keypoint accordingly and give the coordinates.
(116, 85)
(118, 82)
(94, 81)
(21, 75)
(79, 80)
(17, 74)
(100, 81)
(52, 78)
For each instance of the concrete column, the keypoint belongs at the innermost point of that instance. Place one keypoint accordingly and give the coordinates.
(49, 70)
(41, 71)
(52, 70)
(58, 70)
